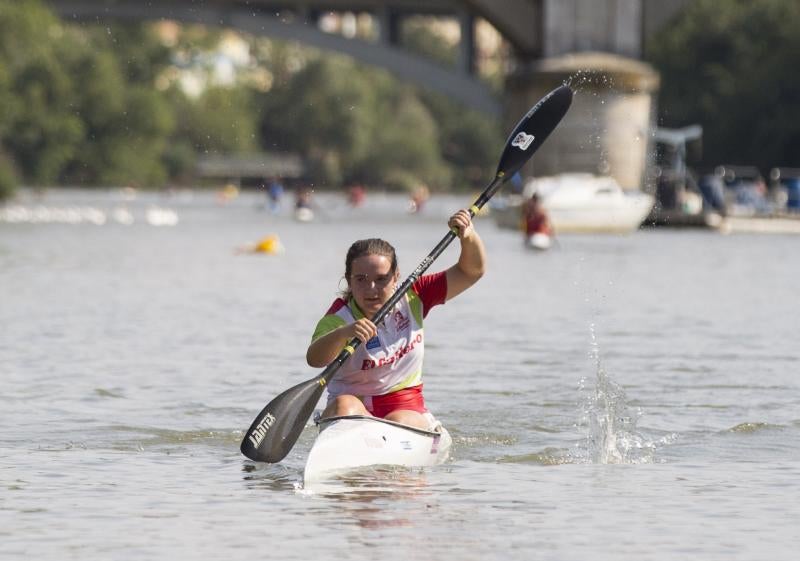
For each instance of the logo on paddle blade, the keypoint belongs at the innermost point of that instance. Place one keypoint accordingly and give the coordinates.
(523, 140)
(257, 434)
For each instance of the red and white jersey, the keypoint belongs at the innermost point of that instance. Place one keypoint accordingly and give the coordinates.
(392, 360)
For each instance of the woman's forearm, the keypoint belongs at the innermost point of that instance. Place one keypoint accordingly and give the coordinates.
(322, 351)
(472, 260)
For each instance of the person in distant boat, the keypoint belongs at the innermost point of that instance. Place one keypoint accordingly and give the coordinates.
(356, 195)
(302, 204)
(383, 377)
(535, 218)
(419, 197)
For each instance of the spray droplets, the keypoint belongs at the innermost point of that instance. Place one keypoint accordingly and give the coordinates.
(609, 424)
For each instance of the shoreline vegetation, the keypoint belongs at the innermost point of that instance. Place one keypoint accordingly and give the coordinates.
(141, 104)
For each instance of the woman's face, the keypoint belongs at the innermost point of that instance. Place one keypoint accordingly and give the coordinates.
(372, 282)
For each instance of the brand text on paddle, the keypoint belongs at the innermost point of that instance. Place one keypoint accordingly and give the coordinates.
(260, 431)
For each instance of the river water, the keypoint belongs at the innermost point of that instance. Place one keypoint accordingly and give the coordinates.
(618, 397)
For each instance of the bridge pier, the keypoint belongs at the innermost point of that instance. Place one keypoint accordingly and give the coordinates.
(607, 129)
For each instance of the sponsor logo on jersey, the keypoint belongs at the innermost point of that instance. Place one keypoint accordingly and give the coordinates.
(369, 364)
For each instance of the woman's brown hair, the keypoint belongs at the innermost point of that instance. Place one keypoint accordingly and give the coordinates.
(371, 246)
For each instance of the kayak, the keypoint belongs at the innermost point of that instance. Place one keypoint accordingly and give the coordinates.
(303, 214)
(356, 441)
(539, 241)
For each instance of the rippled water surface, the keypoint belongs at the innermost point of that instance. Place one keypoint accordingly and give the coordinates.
(619, 397)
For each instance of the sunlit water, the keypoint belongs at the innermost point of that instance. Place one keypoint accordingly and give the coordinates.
(619, 397)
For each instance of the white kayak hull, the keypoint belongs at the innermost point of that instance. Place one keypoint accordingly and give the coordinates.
(357, 441)
(303, 214)
(539, 241)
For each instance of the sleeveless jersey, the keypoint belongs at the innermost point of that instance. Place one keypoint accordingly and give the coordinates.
(392, 360)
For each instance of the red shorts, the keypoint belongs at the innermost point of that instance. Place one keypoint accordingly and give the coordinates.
(408, 398)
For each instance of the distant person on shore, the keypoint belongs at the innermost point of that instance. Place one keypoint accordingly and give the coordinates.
(517, 185)
(274, 195)
(712, 188)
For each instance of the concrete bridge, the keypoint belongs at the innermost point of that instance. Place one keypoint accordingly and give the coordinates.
(546, 38)
(535, 29)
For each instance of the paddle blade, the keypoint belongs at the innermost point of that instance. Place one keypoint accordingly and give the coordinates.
(276, 429)
(533, 129)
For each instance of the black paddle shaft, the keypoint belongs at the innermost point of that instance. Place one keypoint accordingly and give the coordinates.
(331, 369)
(277, 427)
(524, 140)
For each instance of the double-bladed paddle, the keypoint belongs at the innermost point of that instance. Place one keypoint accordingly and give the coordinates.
(276, 429)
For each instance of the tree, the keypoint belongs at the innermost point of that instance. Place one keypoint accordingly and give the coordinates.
(729, 65)
(470, 141)
(221, 119)
(39, 131)
(83, 107)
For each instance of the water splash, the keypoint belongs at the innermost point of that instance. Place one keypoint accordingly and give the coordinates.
(609, 424)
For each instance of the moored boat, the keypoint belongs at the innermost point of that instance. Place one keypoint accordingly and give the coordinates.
(580, 203)
(355, 441)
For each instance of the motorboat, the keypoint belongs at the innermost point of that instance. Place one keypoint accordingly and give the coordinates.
(351, 442)
(579, 203)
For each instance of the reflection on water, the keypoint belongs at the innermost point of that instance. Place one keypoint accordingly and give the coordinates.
(365, 495)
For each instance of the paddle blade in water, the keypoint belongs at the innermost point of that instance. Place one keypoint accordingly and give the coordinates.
(276, 429)
(533, 129)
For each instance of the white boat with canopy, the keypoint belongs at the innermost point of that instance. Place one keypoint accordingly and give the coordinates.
(579, 203)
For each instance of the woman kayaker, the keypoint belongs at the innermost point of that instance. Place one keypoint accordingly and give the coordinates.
(384, 376)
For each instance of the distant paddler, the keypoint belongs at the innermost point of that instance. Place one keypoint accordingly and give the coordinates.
(419, 196)
(227, 193)
(302, 205)
(536, 224)
(270, 245)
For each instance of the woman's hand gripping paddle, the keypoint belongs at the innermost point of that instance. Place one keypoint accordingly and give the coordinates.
(276, 429)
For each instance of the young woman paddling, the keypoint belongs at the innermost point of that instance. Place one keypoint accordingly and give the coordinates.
(384, 376)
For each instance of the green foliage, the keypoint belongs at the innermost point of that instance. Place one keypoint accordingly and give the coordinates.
(79, 111)
(221, 120)
(729, 65)
(361, 124)
(470, 141)
(39, 131)
(325, 110)
(141, 54)
(407, 142)
(8, 178)
(102, 104)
